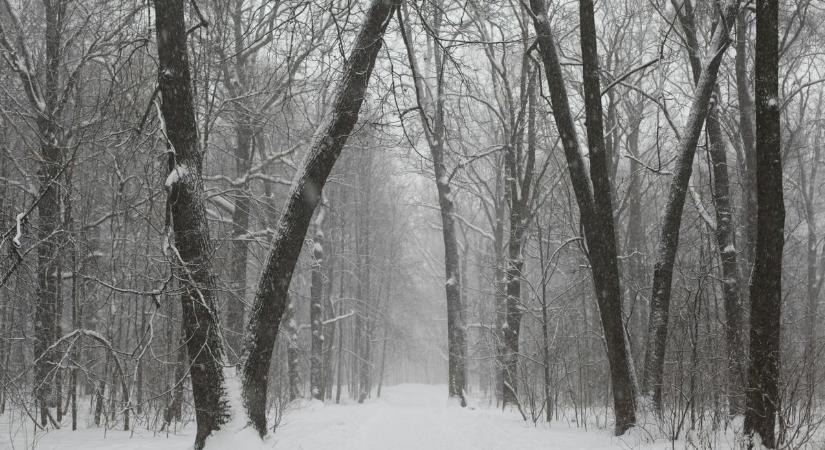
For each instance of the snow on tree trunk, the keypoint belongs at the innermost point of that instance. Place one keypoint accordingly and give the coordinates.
(672, 220)
(271, 297)
(316, 310)
(192, 246)
(766, 280)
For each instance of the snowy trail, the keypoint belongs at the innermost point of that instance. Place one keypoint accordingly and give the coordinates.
(413, 417)
(407, 417)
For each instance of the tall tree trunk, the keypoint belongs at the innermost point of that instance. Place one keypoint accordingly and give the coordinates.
(364, 296)
(747, 133)
(519, 190)
(726, 244)
(316, 310)
(672, 220)
(766, 280)
(48, 209)
(725, 233)
(595, 206)
(636, 235)
(292, 353)
(436, 135)
(499, 287)
(236, 306)
(271, 298)
(187, 214)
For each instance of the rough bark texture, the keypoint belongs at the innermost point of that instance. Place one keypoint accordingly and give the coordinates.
(271, 297)
(192, 247)
(595, 208)
(766, 279)
(46, 308)
(671, 222)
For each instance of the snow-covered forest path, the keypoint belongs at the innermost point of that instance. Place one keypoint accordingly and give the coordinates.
(419, 417)
(406, 417)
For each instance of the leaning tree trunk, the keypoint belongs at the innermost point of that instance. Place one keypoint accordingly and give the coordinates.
(766, 280)
(725, 233)
(595, 205)
(271, 298)
(671, 223)
(185, 210)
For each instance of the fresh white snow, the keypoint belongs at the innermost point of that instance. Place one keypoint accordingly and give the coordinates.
(406, 417)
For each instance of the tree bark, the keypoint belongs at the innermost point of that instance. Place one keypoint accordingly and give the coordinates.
(185, 209)
(236, 306)
(595, 206)
(766, 280)
(436, 135)
(316, 312)
(271, 298)
(747, 133)
(671, 223)
(724, 233)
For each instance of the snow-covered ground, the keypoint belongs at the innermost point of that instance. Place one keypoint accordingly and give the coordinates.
(406, 417)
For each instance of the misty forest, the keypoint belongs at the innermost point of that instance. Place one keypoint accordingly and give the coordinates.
(412, 224)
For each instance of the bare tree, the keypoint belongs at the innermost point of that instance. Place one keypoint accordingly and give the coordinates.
(766, 280)
(595, 203)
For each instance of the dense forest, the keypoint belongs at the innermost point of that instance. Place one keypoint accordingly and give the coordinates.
(224, 221)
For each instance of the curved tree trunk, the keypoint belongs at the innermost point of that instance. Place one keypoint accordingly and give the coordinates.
(271, 298)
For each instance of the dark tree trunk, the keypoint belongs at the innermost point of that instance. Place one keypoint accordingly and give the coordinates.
(595, 205)
(766, 279)
(519, 193)
(672, 220)
(48, 210)
(186, 211)
(271, 298)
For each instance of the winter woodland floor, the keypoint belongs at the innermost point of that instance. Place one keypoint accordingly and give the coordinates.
(407, 417)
